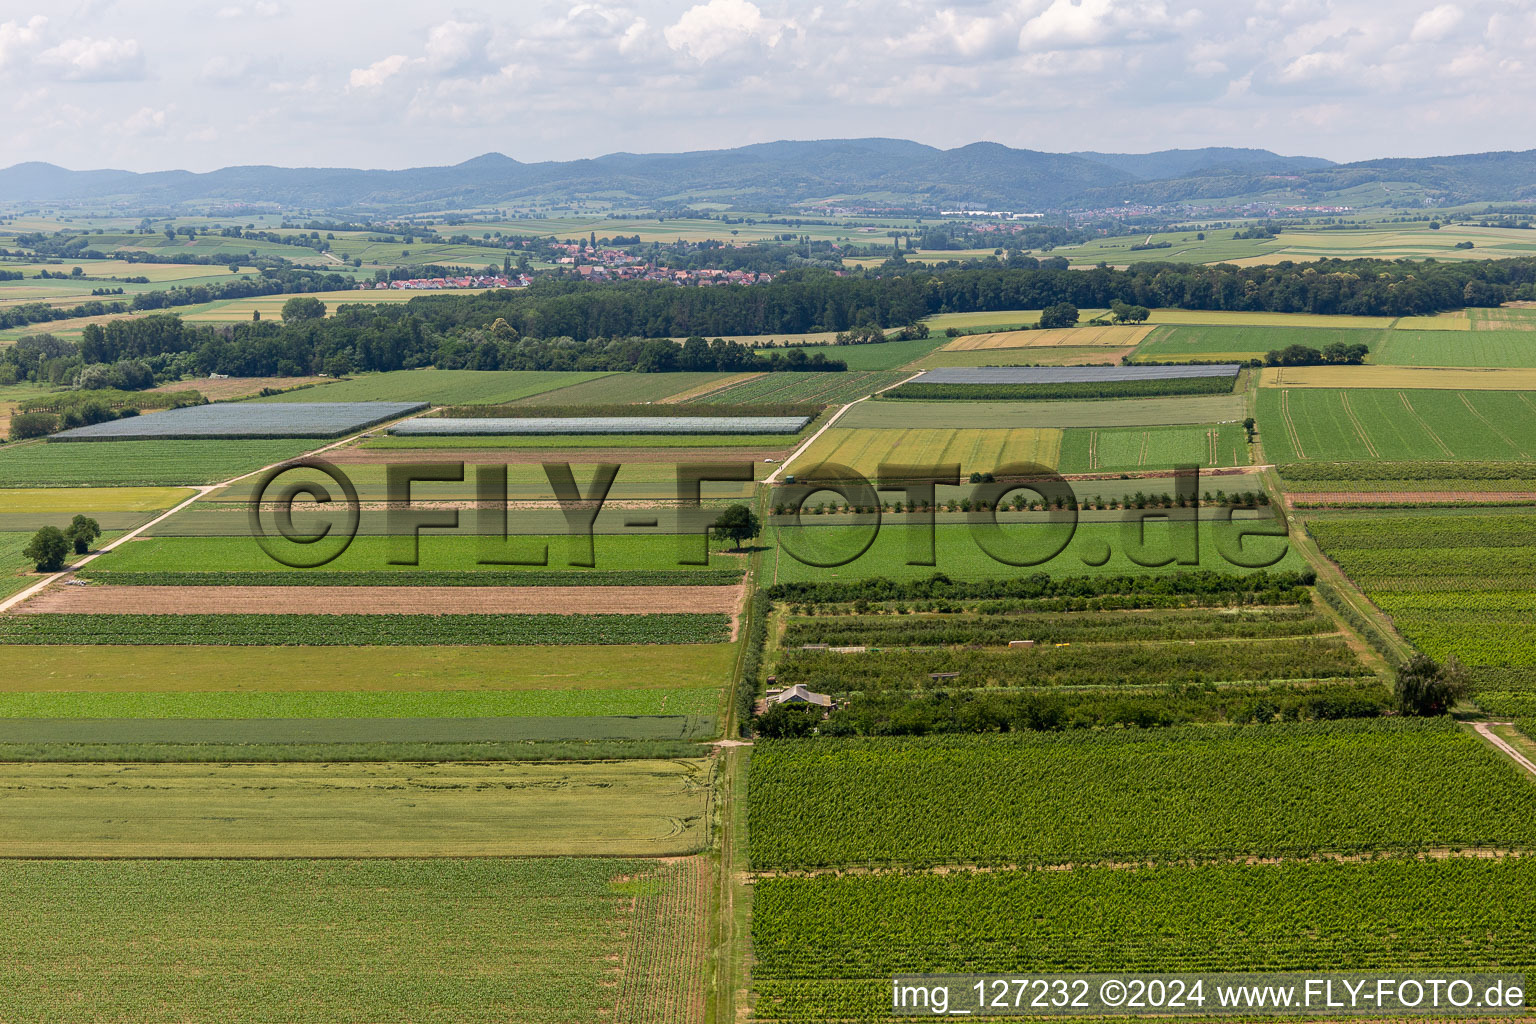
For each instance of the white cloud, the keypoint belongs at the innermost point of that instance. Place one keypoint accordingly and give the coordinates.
(377, 73)
(95, 60)
(1435, 24)
(457, 46)
(17, 38)
(1068, 23)
(710, 30)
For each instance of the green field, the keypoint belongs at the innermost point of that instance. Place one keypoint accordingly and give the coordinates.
(436, 702)
(1386, 424)
(957, 553)
(623, 389)
(141, 463)
(1177, 344)
(540, 941)
(1122, 412)
(440, 387)
(1455, 582)
(1079, 798)
(889, 355)
(354, 810)
(1456, 348)
(436, 554)
(626, 670)
(827, 388)
(826, 948)
(1128, 449)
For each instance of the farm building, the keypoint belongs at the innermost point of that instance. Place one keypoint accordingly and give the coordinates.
(798, 694)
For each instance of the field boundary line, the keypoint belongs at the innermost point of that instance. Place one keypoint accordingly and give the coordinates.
(1503, 745)
(202, 491)
(1490, 424)
(1425, 424)
(1290, 424)
(774, 476)
(1349, 411)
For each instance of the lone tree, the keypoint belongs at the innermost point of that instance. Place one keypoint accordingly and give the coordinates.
(1062, 314)
(738, 523)
(1426, 689)
(82, 530)
(47, 549)
(303, 308)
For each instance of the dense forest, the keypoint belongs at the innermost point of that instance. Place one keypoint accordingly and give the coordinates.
(803, 301)
(565, 324)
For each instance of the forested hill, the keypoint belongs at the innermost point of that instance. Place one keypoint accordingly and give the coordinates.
(778, 175)
(768, 176)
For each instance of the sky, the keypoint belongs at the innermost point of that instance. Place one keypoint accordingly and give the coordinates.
(200, 84)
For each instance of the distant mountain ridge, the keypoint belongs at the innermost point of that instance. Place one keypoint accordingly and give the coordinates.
(784, 175)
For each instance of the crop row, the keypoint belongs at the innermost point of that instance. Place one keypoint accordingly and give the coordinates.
(1000, 711)
(826, 948)
(1417, 470)
(1076, 665)
(1070, 627)
(1041, 585)
(1085, 797)
(364, 630)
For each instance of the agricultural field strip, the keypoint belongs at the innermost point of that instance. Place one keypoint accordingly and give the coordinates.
(1112, 412)
(1073, 374)
(1404, 377)
(198, 493)
(350, 629)
(1088, 337)
(1385, 425)
(826, 948)
(562, 674)
(354, 810)
(442, 941)
(383, 600)
(1259, 791)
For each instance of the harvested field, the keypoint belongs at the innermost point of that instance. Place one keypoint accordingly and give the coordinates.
(108, 599)
(238, 387)
(1067, 337)
(1455, 378)
(1063, 356)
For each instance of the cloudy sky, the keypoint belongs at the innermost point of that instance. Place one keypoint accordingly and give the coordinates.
(153, 84)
